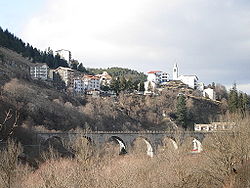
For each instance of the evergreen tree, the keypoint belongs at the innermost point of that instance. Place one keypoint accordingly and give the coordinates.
(240, 104)
(130, 86)
(213, 85)
(240, 101)
(233, 99)
(181, 112)
(245, 102)
(81, 68)
(150, 87)
(136, 84)
(141, 86)
(115, 85)
(74, 66)
(123, 84)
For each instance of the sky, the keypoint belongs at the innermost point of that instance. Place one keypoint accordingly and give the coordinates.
(208, 38)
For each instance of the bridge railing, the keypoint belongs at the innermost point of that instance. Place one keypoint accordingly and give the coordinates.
(125, 132)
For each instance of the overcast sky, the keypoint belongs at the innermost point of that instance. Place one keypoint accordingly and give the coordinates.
(209, 38)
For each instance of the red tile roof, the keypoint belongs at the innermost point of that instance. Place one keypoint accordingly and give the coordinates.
(153, 72)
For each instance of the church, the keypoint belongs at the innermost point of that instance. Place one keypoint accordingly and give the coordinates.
(190, 80)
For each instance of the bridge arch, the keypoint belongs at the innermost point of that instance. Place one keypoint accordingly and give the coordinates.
(193, 144)
(145, 140)
(53, 139)
(197, 146)
(122, 145)
(169, 142)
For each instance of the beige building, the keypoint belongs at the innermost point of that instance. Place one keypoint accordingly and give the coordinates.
(66, 74)
(39, 71)
(105, 78)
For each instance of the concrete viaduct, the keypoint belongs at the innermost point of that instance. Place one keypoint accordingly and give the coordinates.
(153, 139)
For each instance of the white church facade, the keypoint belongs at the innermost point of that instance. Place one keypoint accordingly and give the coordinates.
(190, 80)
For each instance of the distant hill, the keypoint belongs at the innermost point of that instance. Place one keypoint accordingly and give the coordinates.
(120, 72)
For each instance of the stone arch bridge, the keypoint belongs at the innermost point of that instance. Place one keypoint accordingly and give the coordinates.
(153, 139)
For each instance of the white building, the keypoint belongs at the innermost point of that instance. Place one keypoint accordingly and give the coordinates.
(39, 71)
(214, 126)
(154, 79)
(201, 86)
(93, 82)
(86, 83)
(158, 77)
(154, 76)
(210, 93)
(190, 80)
(65, 54)
(164, 77)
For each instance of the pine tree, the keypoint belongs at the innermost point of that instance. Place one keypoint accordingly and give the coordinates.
(123, 84)
(130, 86)
(74, 66)
(115, 85)
(245, 102)
(150, 87)
(233, 99)
(240, 101)
(81, 68)
(141, 86)
(181, 112)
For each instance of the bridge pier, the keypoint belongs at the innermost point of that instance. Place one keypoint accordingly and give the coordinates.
(153, 140)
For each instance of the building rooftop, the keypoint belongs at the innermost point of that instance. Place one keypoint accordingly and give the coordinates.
(64, 68)
(153, 72)
(91, 77)
(189, 76)
(37, 64)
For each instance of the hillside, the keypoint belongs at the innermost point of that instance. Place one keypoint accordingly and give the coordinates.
(36, 103)
(10, 41)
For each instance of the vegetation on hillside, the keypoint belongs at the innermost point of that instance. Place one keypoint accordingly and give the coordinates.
(10, 41)
(238, 101)
(115, 72)
(40, 104)
(119, 84)
(123, 79)
(181, 111)
(224, 162)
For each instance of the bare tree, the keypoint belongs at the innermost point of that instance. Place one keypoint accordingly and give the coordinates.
(8, 124)
(10, 168)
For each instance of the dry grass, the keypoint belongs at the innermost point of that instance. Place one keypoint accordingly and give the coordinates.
(224, 163)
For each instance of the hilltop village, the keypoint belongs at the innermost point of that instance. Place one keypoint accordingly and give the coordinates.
(79, 83)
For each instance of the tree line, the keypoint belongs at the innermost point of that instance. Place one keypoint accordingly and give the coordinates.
(119, 84)
(238, 101)
(10, 41)
(121, 72)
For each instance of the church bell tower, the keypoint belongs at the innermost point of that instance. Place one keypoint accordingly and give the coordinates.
(175, 72)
